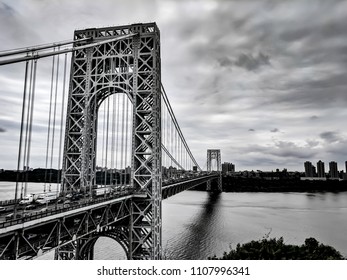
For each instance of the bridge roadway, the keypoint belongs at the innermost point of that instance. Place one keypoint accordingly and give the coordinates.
(62, 227)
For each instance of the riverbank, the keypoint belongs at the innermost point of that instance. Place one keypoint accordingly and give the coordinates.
(240, 184)
(229, 183)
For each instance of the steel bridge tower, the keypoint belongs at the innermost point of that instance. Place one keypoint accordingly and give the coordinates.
(214, 154)
(124, 59)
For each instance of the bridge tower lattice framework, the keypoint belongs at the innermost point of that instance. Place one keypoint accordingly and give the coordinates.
(127, 61)
(214, 154)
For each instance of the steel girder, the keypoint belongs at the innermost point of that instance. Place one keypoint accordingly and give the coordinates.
(214, 154)
(73, 234)
(178, 187)
(130, 66)
(67, 232)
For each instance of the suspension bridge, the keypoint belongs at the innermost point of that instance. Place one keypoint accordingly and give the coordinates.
(111, 130)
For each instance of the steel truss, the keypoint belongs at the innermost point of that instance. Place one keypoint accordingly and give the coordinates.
(70, 233)
(178, 187)
(130, 66)
(73, 233)
(214, 154)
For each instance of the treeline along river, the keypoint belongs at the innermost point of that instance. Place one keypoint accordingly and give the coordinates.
(197, 225)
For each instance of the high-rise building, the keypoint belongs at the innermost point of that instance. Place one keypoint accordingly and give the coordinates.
(333, 171)
(308, 169)
(228, 167)
(320, 169)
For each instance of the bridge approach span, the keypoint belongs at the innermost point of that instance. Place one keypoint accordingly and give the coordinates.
(72, 232)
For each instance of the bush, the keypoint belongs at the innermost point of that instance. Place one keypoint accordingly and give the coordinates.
(275, 249)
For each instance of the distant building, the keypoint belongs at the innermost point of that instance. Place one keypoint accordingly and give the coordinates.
(333, 171)
(228, 167)
(128, 170)
(172, 172)
(308, 169)
(320, 169)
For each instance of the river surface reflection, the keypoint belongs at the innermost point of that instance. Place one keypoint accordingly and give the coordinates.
(197, 225)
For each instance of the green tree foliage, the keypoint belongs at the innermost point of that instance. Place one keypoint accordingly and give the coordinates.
(275, 249)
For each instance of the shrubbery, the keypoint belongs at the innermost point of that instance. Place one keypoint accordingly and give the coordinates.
(275, 249)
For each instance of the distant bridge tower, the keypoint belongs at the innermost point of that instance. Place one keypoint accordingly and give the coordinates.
(213, 154)
(121, 59)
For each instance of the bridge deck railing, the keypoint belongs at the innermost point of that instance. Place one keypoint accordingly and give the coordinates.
(49, 212)
(38, 215)
(9, 202)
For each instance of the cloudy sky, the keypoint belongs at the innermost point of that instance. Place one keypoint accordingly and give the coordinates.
(264, 81)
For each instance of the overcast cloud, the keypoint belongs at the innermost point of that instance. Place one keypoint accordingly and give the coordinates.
(264, 81)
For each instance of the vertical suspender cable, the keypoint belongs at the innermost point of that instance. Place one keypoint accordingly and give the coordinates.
(25, 173)
(163, 134)
(49, 120)
(61, 123)
(113, 122)
(113, 135)
(182, 156)
(31, 114)
(162, 131)
(171, 139)
(126, 139)
(30, 121)
(168, 135)
(103, 143)
(113, 165)
(176, 147)
(168, 140)
(177, 126)
(107, 135)
(117, 139)
(54, 118)
(21, 134)
(122, 141)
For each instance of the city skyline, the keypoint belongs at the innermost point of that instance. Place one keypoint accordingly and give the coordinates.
(253, 79)
(318, 170)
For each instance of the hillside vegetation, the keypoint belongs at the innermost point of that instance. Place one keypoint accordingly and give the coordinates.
(275, 249)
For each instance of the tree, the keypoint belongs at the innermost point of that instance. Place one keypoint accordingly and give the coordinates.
(275, 249)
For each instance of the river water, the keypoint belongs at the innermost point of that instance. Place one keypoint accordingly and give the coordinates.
(197, 225)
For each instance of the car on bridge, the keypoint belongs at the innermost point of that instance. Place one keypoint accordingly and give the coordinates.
(43, 210)
(2, 209)
(30, 207)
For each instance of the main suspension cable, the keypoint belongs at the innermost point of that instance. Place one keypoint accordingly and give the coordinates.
(39, 47)
(167, 102)
(53, 53)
